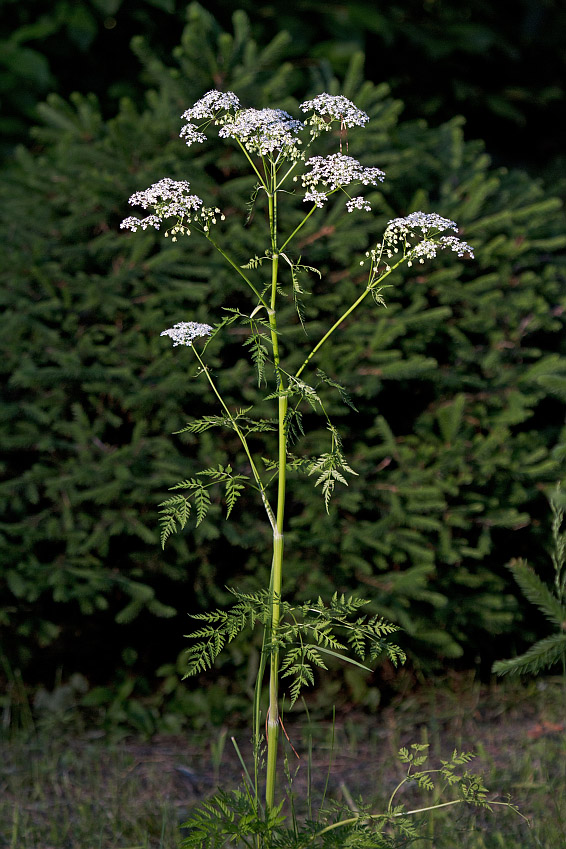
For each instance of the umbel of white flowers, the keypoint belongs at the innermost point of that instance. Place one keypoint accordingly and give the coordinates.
(415, 237)
(184, 332)
(275, 136)
(271, 133)
(172, 199)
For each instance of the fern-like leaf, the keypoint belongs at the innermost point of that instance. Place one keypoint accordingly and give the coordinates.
(174, 510)
(250, 207)
(202, 503)
(233, 491)
(328, 466)
(252, 321)
(254, 262)
(207, 422)
(297, 292)
(343, 393)
(377, 296)
(293, 425)
(424, 780)
(259, 354)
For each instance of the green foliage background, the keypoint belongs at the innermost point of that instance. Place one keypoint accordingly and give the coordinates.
(504, 69)
(459, 383)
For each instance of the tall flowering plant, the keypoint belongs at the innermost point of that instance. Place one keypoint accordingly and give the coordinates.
(297, 638)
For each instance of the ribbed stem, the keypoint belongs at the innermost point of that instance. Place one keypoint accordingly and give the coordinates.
(277, 563)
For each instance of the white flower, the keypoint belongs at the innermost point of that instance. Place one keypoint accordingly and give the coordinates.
(172, 199)
(457, 245)
(423, 221)
(133, 223)
(414, 238)
(263, 131)
(184, 332)
(337, 108)
(425, 250)
(212, 103)
(168, 196)
(339, 170)
(358, 203)
(318, 198)
(210, 106)
(191, 134)
(417, 236)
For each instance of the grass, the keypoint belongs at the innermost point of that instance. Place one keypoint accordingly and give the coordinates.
(83, 793)
(60, 790)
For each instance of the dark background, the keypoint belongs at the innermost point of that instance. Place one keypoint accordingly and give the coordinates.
(502, 67)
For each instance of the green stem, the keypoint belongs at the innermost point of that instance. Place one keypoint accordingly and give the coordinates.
(239, 270)
(346, 314)
(304, 221)
(257, 711)
(277, 563)
(390, 803)
(369, 817)
(296, 230)
(243, 440)
(252, 163)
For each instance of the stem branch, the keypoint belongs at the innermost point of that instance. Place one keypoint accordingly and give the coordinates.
(243, 440)
(345, 315)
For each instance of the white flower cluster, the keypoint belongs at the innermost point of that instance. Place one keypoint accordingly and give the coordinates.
(457, 245)
(166, 190)
(209, 106)
(424, 250)
(417, 237)
(264, 131)
(191, 134)
(358, 203)
(336, 108)
(337, 171)
(404, 231)
(424, 221)
(318, 198)
(171, 198)
(184, 332)
(132, 223)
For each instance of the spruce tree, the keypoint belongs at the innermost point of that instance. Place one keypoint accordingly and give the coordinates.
(460, 419)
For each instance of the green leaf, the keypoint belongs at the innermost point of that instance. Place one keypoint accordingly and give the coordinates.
(201, 425)
(259, 354)
(343, 393)
(345, 658)
(202, 502)
(233, 491)
(175, 509)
